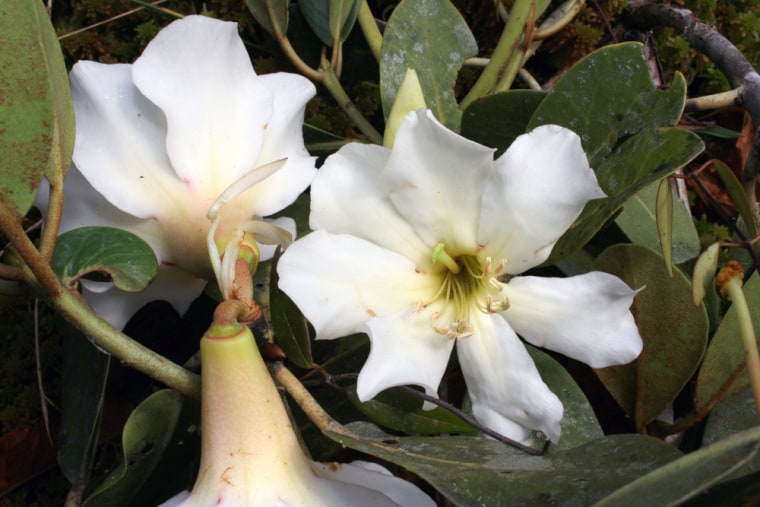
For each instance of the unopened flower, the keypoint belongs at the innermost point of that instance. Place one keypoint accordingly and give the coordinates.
(160, 140)
(419, 246)
(250, 456)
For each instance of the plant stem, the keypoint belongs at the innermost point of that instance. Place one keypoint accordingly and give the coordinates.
(331, 82)
(130, 352)
(508, 45)
(38, 274)
(303, 398)
(370, 30)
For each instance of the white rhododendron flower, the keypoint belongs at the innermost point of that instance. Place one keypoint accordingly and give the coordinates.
(160, 140)
(419, 245)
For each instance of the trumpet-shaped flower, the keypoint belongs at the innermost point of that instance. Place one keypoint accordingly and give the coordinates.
(419, 245)
(160, 140)
(250, 455)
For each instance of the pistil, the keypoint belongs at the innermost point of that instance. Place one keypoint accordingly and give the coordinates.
(441, 255)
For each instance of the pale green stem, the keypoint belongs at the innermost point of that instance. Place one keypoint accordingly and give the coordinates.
(519, 55)
(331, 82)
(733, 290)
(289, 51)
(370, 30)
(509, 43)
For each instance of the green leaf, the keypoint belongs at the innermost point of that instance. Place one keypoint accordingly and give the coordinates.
(481, 471)
(736, 192)
(431, 37)
(664, 212)
(497, 120)
(36, 111)
(689, 476)
(673, 329)
(621, 128)
(402, 411)
(639, 221)
(637, 162)
(733, 415)
(146, 434)
(291, 329)
(330, 20)
(724, 371)
(579, 424)
(603, 115)
(278, 17)
(84, 380)
(719, 132)
(127, 259)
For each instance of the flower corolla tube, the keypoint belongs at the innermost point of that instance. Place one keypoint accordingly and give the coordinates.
(419, 246)
(158, 141)
(250, 455)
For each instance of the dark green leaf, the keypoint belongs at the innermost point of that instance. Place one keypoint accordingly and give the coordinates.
(736, 192)
(664, 211)
(268, 20)
(36, 112)
(637, 162)
(127, 259)
(579, 424)
(291, 329)
(497, 120)
(639, 221)
(401, 411)
(604, 114)
(719, 132)
(673, 329)
(145, 435)
(724, 371)
(431, 37)
(85, 374)
(330, 20)
(733, 415)
(481, 471)
(688, 476)
(621, 128)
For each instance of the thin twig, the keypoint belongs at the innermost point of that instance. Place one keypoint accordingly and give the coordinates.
(333, 379)
(106, 21)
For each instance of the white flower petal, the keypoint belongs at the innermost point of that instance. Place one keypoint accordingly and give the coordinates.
(437, 178)
(348, 196)
(585, 317)
(120, 140)
(116, 307)
(283, 137)
(540, 186)
(197, 71)
(375, 477)
(505, 387)
(405, 349)
(339, 281)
